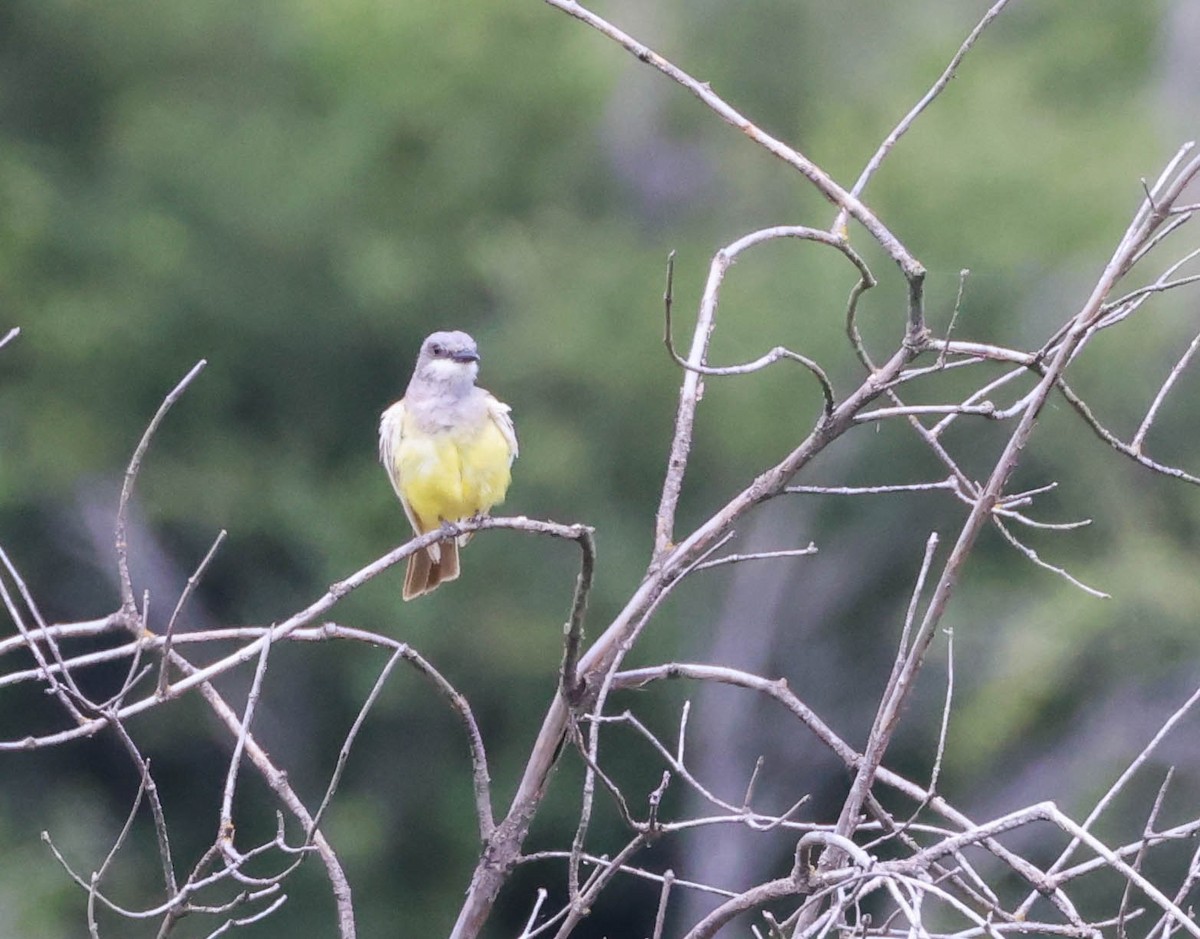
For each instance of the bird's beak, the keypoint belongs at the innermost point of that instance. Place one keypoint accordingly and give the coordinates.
(465, 356)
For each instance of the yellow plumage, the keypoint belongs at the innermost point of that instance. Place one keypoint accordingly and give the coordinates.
(454, 474)
(448, 448)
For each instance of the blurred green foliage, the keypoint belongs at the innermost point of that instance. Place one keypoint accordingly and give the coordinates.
(299, 191)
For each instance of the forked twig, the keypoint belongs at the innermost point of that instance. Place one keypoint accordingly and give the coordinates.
(695, 364)
(727, 256)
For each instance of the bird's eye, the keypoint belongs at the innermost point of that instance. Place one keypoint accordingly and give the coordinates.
(437, 349)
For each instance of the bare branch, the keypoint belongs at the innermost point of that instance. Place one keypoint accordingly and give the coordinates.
(533, 915)
(757, 556)
(628, 869)
(156, 810)
(277, 780)
(1147, 834)
(986, 409)
(311, 613)
(98, 875)
(1082, 409)
(128, 608)
(1036, 559)
(950, 483)
(913, 271)
(344, 753)
(885, 723)
(1117, 787)
(938, 861)
(573, 630)
(775, 354)
(691, 388)
(184, 596)
(1140, 437)
(962, 286)
(660, 917)
(225, 830)
(907, 121)
(67, 693)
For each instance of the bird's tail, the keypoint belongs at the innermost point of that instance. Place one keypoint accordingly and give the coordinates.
(424, 573)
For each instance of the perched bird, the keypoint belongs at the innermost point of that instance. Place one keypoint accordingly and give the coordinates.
(448, 448)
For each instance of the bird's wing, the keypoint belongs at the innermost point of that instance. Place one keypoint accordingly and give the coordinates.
(391, 430)
(499, 412)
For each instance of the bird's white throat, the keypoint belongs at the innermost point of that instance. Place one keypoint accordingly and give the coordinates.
(451, 372)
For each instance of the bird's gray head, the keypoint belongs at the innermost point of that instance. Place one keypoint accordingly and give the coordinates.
(447, 358)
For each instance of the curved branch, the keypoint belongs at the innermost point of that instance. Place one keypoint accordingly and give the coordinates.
(691, 387)
(573, 631)
(909, 265)
(743, 903)
(308, 615)
(128, 605)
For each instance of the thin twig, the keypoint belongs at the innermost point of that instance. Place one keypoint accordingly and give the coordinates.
(962, 286)
(348, 743)
(188, 589)
(911, 268)
(660, 918)
(628, 869)
(1082, 409)
(1147, 834)
(67, 693)
(757, 556)
(681, 739)
(1045, 565)
(277, 781)
(225, 829)
(939, 753)
(907, 121)
(695, 365)
(1047, 811)
(758, 765)
(945, 725)
(542, 893)
(671, 759)
(781, 693)
(986, 409)
(156, 810)
(99, 873)
(134, 673)
(773, 355)
(1142, 228)
(1140, 437)
(131, 473)
(599, 881)
(951, 483)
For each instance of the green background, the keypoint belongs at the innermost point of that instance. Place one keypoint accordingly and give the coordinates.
(299, 191)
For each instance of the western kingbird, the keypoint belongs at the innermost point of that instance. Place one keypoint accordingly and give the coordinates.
(448, 449)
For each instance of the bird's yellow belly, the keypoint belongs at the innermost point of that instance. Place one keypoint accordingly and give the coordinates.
(451, 476)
